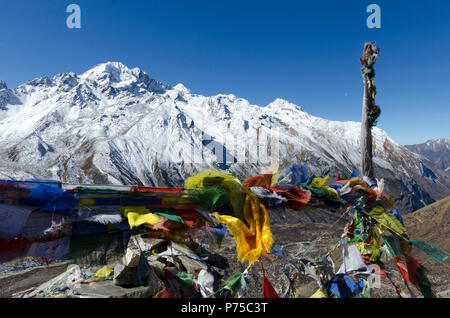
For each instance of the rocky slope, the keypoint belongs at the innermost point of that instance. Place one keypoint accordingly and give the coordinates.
(115, 125)
(437, 151)
(431, 223)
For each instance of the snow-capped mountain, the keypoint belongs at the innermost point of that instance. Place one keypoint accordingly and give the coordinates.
(437, 151)
(115, 125)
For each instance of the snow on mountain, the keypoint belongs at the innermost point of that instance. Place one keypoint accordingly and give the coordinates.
(115, 125)
(437, 151)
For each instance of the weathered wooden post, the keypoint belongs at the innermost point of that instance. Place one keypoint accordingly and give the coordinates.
(370, 111)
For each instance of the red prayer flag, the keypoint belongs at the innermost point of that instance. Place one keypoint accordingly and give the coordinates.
(263, 180)
(165, 293)
(409, 269)
(154, 189)
(268, 290)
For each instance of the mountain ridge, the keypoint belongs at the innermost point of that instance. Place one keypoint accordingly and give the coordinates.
(435, 150)
(116, 125)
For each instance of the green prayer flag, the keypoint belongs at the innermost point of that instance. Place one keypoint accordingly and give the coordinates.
(210, 198)
(230, 282)
(185, 278)
(358, 238)
(366, 291)
(389, 242)
(170, 215)
(431, 250)
(236, 284)
(318, 192)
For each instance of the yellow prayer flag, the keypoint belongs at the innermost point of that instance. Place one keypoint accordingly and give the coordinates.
(86, 202)
(364, 248)
(352, 182)
(254, 240)
(382, 216)
(331, 193)
(224, 180)
(318, 294)
(137, 216)
(104, 272)
(318, 182)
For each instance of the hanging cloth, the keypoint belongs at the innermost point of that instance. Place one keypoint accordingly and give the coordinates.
(137, 216)
(254, 239)
(385, 218)
(268, 290)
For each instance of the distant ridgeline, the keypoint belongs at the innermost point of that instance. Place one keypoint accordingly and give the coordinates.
(51, 220)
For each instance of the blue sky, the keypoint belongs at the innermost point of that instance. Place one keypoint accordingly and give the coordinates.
(303, 51)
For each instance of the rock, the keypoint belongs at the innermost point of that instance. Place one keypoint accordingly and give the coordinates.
(182, 248)
(69, 277)
(126, 276)
(150, 244)
(154, 282)
(131, 258)
(156, 265)
(3, 85)
(108, 289)
(180, 252)
(197, 248)
(305, 290)
(216, 260)
(28, 278)
(192, 266)
(443, 294)
(132, 276)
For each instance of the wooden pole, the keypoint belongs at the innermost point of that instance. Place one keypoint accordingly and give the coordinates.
(370, 111)
(366, 133)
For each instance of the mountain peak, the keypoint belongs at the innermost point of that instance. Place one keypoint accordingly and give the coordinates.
(181, 88)
(433, 143)
(3, 85)
(438, 141)
(282, 103)
(119, 75)
(116, 71)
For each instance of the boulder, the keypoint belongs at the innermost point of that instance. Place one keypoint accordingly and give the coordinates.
(443, 294)
(216, 260)
(126, 276)
(108, 289)
(156, 265)
(150, 244)
(192, 266)
(133, 276)
(182, 248)
(131, 258)
(154, 282)
(28, 278)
